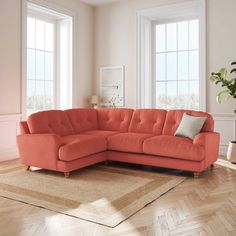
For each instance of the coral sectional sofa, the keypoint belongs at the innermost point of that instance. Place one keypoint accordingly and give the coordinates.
(68, 140)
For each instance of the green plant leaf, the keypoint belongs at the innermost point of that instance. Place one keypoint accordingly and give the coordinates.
(223, 73)
(233, 71)
(221, 95)
(213, 78)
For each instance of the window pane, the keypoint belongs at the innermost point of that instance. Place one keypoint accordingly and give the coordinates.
(30, 32)
(183, 35)
(40, 34)
(30, 64)
(49, 37)
(171, 68)
(160, 38)
(161, 66)
(183, 65)
(194, 34)
(183, 96)
(171, 37)
(194, 94)
(194, 65)
(39, 99)
(39, 65)
(30, 94)
(48, 66)
(48, 95)
(171, 92)
(161, 95)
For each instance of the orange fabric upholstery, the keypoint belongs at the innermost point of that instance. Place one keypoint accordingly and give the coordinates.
(104, 133)
(114, 119)
(71, 139)
(173, 119)
(40, 150)
(150, 121)
(67, 166)
(24, 128)
(81, 146)
(211, 142)
(158, 161)
(83, 119)
(53, 121)
(175, 147)
(127, 142)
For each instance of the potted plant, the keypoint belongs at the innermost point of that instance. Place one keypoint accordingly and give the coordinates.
(229, 90)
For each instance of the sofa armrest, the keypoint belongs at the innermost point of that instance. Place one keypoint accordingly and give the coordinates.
(39, 150)
(211, 143)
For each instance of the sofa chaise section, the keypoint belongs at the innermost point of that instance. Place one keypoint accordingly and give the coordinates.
(50, 140)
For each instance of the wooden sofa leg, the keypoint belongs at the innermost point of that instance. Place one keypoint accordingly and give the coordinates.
(196, 175)
(212, 166)
(67, 174)
(28, 168)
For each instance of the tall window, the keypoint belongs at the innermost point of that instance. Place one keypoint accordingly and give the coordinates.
(177, 65)
(40, 64)
(49, 59)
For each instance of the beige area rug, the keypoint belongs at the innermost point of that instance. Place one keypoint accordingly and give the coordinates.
(102, 194)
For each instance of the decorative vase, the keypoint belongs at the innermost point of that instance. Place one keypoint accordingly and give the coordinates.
(231, 154)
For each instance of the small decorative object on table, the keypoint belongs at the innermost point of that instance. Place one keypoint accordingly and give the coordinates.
(116, 99)
(95, 101)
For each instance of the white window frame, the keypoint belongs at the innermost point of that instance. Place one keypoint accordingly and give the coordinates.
(144, 39)
(63, 11)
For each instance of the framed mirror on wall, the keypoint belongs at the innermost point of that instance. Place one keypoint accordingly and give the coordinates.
(112, 86)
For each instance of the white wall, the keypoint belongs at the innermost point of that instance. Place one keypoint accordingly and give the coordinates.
(10, 65)
(10, 56)
(115, 44)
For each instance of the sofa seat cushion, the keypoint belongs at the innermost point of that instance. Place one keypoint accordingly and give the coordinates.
(103, 133)
(127, 142)
(175, 147)
(77, 146)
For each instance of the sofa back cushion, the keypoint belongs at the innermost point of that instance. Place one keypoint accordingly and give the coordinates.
(174, 117)
(117, 119)
(83, 119)
(52, 121)
(150, 121)
(24, 128)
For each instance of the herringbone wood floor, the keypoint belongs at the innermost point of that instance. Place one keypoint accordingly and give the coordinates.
(204, 206)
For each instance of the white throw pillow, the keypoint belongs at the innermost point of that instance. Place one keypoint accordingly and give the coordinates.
(190, 126)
